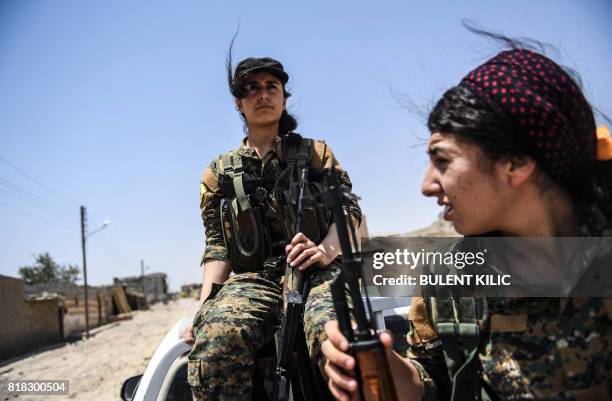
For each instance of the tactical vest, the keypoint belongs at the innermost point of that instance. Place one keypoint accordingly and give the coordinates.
(458, 320)
(249, 210)
(463, 324)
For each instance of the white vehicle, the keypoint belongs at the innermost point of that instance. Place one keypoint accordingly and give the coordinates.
(165, 378)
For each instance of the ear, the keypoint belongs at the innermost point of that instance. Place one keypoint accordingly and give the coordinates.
(285, 103)
(519, 169)
(238, 103)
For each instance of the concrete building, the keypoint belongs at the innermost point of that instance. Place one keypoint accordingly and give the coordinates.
(153, 285)
(26, 324)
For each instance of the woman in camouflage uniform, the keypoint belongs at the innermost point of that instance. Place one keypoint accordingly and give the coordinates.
(513, 152)
(240, 313)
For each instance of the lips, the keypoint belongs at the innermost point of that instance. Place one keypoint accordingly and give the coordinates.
(264, 107)
(448, 209)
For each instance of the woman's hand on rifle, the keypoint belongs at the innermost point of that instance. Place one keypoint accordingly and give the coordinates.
(339, 367)
(303, 253)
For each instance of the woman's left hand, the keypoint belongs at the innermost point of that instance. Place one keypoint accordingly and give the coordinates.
(303, 253)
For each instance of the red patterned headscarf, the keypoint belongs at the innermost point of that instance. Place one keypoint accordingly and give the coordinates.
(545, 108)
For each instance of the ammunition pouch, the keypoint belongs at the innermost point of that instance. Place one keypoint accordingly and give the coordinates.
(456, 320)
(246, 214)
(315, 219)
(246, 237)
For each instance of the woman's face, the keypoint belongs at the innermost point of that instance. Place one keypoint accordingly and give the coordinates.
(264, 100)
(474, 198)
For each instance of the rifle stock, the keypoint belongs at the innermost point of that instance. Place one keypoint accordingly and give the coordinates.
(376, 378)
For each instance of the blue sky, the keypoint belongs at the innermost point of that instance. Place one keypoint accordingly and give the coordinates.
(119, 106)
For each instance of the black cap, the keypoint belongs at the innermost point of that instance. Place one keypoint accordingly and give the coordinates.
(267, 64)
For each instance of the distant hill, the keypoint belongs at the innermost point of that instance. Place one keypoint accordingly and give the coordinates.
(439, 228)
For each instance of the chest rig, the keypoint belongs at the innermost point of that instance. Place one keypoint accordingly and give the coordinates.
(465, 324)
(258, 212)
(455, 319)
(458, 320)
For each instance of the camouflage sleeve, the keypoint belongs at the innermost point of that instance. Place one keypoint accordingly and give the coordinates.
(324, 159)
(425, 352)
(210, 200)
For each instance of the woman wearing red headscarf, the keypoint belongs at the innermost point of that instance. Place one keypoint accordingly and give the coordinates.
(514, 152)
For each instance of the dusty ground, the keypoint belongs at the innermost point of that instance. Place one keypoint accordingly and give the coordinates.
(97, 367)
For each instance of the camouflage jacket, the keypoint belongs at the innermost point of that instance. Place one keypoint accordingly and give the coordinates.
(266, 171)
(533, 349)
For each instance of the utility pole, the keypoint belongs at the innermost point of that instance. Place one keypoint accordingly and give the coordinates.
(83, 237)
(142, 282)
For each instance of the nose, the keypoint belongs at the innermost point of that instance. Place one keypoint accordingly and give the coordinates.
(430, 185)
(263, 94)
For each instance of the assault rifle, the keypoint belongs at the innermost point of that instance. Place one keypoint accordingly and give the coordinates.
(292, 337)
(293, 309)
(371, 368)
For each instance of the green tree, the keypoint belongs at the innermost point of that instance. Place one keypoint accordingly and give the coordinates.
(47, 270)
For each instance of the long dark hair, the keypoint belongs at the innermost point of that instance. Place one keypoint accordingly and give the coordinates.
(287, 122)
(462, 112)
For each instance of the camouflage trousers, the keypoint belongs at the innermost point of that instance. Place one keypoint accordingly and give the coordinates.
(238, 319)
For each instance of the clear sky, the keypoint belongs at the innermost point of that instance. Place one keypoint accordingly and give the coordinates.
(118, 106)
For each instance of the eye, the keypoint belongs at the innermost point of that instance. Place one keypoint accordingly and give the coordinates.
(252, 88)
(272, 88)
(439, 162)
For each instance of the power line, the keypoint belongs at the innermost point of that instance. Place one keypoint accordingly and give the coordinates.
(104, 244)
(50, 213)
(112, 256)
(110, 250)
(38, 198)
(54, 224)
(43, 202)
(115, 251)
(36, 181)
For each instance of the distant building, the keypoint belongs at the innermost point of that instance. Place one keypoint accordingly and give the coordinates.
(26, 323)
(191, 290)
(153, 285)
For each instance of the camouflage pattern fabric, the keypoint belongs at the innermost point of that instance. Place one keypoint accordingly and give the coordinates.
(536, 349)
(241, 317)
(318, 310)
(265, 172)
(238, 319)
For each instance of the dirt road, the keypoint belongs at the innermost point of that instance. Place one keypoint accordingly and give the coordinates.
(97, 367)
